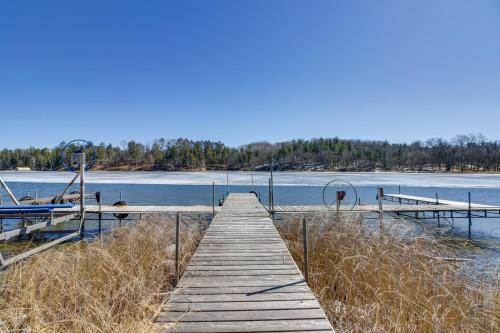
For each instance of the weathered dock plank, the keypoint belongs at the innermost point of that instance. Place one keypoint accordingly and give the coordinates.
(252, 325)
(244, 315)
(405, 208)
(108, 209)
(243, 279)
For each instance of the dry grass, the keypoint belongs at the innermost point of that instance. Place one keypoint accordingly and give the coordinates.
(113, 284)
(368, 282)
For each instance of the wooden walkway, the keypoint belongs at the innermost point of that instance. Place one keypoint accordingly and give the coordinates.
(243, 279)
(108, 209)
(394, 208)
(405, 208)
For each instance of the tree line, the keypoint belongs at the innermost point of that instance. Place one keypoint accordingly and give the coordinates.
(463, 153)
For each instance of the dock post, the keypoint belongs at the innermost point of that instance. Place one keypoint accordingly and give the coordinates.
(380, 193)
(213, 200)
(272, 196)
(100, 213)
(469, 215)
(177, 241)
(437, 203)
(82, 195)
(306, 257)
(269, 198)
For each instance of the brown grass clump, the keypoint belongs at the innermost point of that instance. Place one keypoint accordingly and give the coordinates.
(369, 281)
(113, 284)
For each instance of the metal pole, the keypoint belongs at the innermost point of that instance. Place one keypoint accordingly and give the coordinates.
(272, 195)
(272, 186)
(227, 183)
(306, 257)
(434, 213)
(380, 207)
(100, 213)
(120, 219)
(177, 241)
(82, 195)
(337, 202)
(213, 200)
(269, 197)
(469, 215)
(58, 198)
(9, 192)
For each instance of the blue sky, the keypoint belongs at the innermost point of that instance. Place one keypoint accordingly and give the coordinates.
(243, 71)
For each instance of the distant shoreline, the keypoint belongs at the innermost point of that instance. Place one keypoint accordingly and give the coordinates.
(127, 170)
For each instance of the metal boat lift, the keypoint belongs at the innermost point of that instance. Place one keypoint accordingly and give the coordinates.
(50, 210)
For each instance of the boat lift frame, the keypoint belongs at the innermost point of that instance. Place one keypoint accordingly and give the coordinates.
(47, 210)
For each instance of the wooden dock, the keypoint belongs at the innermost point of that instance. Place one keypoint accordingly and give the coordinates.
(243, 279)
(109, 209)
(62, 215)
(406, 208)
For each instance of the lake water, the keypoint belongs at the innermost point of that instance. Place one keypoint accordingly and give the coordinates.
(291, 188)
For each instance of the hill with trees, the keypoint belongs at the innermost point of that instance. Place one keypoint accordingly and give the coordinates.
(464, 153)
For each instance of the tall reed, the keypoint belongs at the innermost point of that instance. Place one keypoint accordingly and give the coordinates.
(113, 284)
(372, 281)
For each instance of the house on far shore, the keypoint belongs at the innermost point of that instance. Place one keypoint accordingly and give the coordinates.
(23, 169)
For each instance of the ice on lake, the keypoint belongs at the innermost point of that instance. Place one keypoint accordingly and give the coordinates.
(261, 178)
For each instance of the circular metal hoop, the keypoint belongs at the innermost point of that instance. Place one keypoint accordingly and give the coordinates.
(82, 146)
(348, 186)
